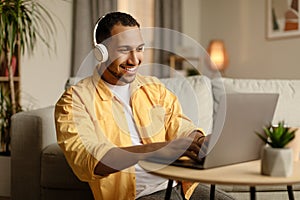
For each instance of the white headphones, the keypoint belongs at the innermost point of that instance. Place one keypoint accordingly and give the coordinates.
(100, 51)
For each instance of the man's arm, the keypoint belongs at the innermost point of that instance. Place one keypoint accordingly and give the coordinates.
(121, 158)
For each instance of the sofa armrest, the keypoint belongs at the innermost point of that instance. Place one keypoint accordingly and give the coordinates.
(31, 131)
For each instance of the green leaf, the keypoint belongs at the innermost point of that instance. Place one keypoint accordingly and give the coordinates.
(265, 139)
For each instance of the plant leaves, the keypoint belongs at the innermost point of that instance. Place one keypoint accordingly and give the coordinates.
(277, 136)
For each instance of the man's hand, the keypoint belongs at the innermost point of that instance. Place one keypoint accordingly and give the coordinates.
(201, 140)
(194, 147)
(172, 150)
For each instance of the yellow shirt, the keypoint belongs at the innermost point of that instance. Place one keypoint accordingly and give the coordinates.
(90, 121)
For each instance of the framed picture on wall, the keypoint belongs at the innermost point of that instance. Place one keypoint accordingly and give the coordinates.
(282, 18)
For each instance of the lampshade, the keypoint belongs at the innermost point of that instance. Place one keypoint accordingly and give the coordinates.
(218, 55)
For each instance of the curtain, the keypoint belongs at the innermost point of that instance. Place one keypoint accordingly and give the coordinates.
(167, 16)
(85, 15)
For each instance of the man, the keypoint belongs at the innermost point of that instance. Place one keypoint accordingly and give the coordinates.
(108, 122)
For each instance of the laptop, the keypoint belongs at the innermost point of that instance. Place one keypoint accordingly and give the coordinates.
(233, 139)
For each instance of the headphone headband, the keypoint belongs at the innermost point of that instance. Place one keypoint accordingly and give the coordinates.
(100, 51)
(95, 30)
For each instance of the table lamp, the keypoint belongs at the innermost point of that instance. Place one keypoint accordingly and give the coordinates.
(218, 55)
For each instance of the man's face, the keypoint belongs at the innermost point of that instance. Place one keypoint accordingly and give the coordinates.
(125, 50)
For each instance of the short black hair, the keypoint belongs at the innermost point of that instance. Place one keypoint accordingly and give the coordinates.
(106, 23)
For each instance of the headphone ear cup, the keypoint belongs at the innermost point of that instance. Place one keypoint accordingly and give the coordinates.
(101, 53)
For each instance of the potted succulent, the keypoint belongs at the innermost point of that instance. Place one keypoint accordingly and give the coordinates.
(22, 22)
(277, 158)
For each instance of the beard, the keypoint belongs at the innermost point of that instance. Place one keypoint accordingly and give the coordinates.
(121, 77)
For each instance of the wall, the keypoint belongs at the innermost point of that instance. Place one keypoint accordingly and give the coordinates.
(191, 21)
(241, 24)
(43, 74)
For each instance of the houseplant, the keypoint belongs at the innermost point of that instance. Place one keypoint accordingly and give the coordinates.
(277, 159)
(22, 22)
(5, 118)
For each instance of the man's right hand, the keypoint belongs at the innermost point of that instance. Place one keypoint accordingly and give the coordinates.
(172, 150)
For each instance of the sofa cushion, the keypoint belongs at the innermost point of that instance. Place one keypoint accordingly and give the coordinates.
(195, 95)
(55, 171)
(287, 108)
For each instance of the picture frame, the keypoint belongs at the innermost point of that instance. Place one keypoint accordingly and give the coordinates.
(282, 19)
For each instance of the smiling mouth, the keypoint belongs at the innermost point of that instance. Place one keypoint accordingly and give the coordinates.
(129, 69)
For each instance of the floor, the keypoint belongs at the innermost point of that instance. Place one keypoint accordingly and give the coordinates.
(4, 198)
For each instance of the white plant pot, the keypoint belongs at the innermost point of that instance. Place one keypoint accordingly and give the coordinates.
(277, 161)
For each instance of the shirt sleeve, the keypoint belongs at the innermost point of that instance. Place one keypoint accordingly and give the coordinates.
(78, 136)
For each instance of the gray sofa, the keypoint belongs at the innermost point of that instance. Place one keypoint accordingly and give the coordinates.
(39, 169)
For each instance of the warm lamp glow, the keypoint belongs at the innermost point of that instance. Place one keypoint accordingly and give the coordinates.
(218, 55)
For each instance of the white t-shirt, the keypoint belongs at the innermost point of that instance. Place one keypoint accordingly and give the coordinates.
(146, 183)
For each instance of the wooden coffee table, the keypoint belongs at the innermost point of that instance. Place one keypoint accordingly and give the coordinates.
(247, 173)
